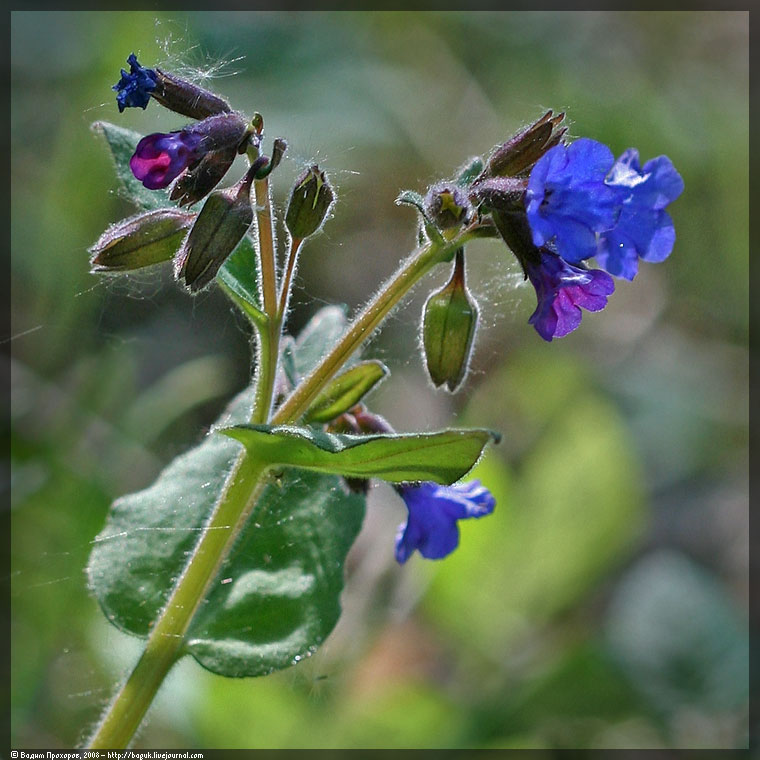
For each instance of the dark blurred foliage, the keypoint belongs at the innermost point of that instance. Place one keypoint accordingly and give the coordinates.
(604, 603)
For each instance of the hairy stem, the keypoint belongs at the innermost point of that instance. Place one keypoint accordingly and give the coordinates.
(166, 642)
(386, 299)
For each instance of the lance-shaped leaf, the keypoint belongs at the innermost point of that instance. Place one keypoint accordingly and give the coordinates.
(346, 390)
(122, 143)
(442, 457)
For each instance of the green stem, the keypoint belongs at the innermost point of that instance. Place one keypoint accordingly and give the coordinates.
(386, 299)
(165, 644)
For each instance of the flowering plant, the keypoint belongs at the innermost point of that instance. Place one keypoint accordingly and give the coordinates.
(259, 517)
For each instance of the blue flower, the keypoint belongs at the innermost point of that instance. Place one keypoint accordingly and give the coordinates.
(562, 289)
(643, 230)
(433, 513)
(134, 88)
(568, 201)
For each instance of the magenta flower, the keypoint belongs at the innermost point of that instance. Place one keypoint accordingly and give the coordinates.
(562, 289)
(160, 158)
(433, 513)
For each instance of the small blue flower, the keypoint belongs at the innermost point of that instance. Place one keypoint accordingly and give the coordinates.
(568, 201)
(562, 289)
(643, 230)
(134, 88)
(433, 513)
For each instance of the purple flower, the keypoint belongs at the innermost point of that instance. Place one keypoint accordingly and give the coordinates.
(433, 513)
(161, 158)
(568, 201)
(134, 88)
(562, 289)
(643, 230)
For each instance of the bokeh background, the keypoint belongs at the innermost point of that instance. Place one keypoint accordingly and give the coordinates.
(604, 604)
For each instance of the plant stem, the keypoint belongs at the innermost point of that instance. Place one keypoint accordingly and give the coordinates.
(264, 225)
(269, 337)
(295, 247)
(166, 641)
(165, 644)
(416, 266)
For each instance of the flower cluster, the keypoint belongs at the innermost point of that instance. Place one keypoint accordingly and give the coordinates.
(559, 204)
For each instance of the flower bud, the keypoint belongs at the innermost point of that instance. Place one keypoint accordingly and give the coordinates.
(447, 206)
(500, 193)
(140, 241)
(520, 152)
(184, 97)
(223, 221)
(309, 204)
(450, 318)
(201, 179)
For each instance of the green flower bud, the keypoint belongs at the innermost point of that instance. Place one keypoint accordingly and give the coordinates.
(309, 204)
(140, 241)
(449, 322)
(223, 221)
(447, 206)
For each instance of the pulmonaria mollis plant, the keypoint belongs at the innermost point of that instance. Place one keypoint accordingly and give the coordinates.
(235, 554)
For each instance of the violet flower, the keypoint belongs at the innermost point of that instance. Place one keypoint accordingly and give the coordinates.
(562, 289)
(160, 158)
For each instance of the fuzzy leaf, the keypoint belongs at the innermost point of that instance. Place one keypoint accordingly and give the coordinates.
(122, 143)
(276, 597)
(442, 457)
(346, 390)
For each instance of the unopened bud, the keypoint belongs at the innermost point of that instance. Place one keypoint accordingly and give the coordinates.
(309, 204)
(201, 179)
(520, 152)
(184, 97)
(140, 241)
(449, 322)
(447, 206)
(500, 193)
(223, 221)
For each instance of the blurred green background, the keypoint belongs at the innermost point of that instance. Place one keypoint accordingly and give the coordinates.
(604, 604)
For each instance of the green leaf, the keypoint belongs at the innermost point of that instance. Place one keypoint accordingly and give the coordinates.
(122, 143)
(346, 390)
(470, 171)
(276, 597)
(318, 337)
(441, 457)
(411, 198)
(239, 276)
